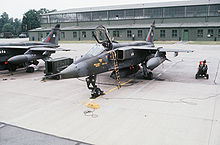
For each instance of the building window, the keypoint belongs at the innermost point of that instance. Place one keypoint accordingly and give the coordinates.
(129, 33)
(116, 14)
(173, 12)
(62, 34)
(74, 34)
(218, 32)
(84, 34)
(162, 33)
(140, 33)
(174, 33)
(210, 33)
(196, 11)
(115, 33)
(200, 33)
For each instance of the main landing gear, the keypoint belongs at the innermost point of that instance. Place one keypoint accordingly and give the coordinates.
(147, 74)
(95, 91)
(30, 69)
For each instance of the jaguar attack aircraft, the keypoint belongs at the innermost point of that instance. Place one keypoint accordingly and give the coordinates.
(121, 58)
(17, 55)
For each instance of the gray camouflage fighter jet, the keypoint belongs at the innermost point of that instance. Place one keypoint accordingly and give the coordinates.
(121, 58)
(17, 55)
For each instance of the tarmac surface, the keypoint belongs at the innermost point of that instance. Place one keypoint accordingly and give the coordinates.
(173, 108)
(12, 135)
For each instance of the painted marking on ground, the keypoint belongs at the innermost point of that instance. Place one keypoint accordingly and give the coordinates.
(90, 100)
(113, 89)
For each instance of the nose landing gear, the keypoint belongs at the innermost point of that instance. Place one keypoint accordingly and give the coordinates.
(95, 91)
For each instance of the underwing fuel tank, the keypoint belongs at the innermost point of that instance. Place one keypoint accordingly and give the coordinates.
(19, 59)
(154, 62)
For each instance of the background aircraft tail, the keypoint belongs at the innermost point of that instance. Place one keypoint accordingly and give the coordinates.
(150, 36)
(53, 36)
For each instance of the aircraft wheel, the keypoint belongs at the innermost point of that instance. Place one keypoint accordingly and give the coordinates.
(58, 77)
(196, 76)
(150, 76)
(30, 70)
(98, 92)
(207, 76)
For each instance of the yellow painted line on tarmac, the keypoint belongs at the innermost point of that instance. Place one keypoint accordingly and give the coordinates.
(113, 89)
(90, 100)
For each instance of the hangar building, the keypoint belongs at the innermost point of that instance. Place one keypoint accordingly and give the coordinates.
(181, 20)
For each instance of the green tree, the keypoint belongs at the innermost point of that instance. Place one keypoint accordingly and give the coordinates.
(44, 11)
(8, 24)
(31, 20)
(3, 20)
(7, 28)
(17, 26)
(4, 17)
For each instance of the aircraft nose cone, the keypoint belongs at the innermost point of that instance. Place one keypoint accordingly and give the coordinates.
(69, 72)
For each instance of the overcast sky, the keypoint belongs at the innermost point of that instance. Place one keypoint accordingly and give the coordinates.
(16, 8)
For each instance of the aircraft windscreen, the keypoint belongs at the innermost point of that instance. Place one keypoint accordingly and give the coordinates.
(95, 50)
(101, 34)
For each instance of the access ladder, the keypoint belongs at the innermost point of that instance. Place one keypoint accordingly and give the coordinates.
(117, 75)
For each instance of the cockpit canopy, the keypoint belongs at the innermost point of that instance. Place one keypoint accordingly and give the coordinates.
(95, 50)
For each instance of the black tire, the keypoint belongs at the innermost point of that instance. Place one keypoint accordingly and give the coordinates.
(196, 76)
(30, 70)
(150, 76)
(98, 91)
(58, 77)
(207, 76)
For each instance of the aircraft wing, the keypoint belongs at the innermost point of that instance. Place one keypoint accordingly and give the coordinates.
(63, 49)
(42, 49)
(160, 49)
(15, 47)
(28, 47)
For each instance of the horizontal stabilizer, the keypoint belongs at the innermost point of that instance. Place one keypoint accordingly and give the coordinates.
(161, 49)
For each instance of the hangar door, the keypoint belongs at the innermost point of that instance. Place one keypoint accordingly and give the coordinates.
(186, 35)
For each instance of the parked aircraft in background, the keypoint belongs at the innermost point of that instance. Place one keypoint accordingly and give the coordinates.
(16, 55)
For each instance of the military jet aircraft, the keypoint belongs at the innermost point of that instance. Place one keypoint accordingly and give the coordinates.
(17, 55)
(121, 58)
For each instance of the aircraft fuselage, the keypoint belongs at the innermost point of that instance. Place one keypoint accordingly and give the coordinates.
(87, 66)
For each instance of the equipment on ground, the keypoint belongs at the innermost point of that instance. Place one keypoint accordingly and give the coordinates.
(56, 65)
(202, 70)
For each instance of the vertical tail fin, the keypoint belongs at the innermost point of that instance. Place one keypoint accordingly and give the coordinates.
(150, 36)
(53, 36)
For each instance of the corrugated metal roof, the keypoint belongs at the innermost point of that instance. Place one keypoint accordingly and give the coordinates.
(136, 6)
(133, 26)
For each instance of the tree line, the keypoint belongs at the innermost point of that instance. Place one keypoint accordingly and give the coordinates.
(30, 20)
